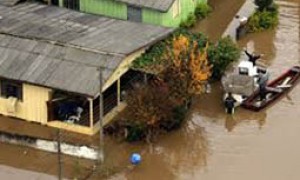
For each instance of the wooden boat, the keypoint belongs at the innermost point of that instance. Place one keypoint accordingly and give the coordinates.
(274, 90)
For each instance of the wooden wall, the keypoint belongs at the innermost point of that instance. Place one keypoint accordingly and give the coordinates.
(33, 107)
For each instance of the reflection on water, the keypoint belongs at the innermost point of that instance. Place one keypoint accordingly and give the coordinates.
(247, 145)
(172, 156)
(233, 120)
(211, 106)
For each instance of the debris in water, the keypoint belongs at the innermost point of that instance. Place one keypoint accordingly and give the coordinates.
(135, 158)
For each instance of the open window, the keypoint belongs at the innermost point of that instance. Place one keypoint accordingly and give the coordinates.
(11, 89)
(243, 71)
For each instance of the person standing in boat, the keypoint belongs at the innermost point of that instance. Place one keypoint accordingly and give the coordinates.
(252, 57)
(263, 78)
(229, 103)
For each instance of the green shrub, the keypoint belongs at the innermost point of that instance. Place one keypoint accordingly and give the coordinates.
(221, 55)
(149, 58)
(189, 22)
(202, 10)
(136, 132)
(263, 4)
(262, 20)
(179, 114)
(154, 54)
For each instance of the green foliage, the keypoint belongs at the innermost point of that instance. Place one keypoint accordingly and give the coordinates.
(221, 55)
(151, 55)
(263, 4)
(154, 55)
(189, 22)
(202, 10)
(262, 20)
(179, 113)
(136, 132)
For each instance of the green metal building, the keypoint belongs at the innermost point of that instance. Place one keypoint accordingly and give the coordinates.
(159, 12)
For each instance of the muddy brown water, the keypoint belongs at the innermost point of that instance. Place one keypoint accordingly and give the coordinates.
(248, 145)
(211, 145)
(223, 13)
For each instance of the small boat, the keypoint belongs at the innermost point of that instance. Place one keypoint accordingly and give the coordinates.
(243, 81)
(274, 90)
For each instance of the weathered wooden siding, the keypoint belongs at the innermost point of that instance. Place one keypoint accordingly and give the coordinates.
(33, 107)
(104, 7)
(166, 19)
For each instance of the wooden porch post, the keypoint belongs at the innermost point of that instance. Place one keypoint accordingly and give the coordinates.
(145, 78)
(119, 91)
(101, 111)
(91, 112)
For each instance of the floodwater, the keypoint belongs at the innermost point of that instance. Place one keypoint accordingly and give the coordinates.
(248, 145)
(18, 162)
(223, 12)
(211, 145)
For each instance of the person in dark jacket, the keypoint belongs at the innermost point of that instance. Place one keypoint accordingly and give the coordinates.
(262, 93)
(229, 103)
(252, 57)
(262, 82)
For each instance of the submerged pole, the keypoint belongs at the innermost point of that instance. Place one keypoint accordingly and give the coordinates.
(59, 160)
(101, 143)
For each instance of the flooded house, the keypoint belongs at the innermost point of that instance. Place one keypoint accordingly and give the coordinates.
(51, 59)
(159, 12)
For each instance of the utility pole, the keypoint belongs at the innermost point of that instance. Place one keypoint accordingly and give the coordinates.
(101, 145)
(59, 154)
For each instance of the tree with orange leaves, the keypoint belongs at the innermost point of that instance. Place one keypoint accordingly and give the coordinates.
(152, 108)
(188, 69)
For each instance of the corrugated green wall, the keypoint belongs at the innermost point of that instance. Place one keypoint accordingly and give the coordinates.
(60, 3)
(104, 7)
(118, 10)
(166, 19)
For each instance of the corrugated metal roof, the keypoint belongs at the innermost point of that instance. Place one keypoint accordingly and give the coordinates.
(62, 49)
(160, 5)
(8, 2)
(54, 66)
(97, 33)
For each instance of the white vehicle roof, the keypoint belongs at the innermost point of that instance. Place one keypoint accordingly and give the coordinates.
(245, 64)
